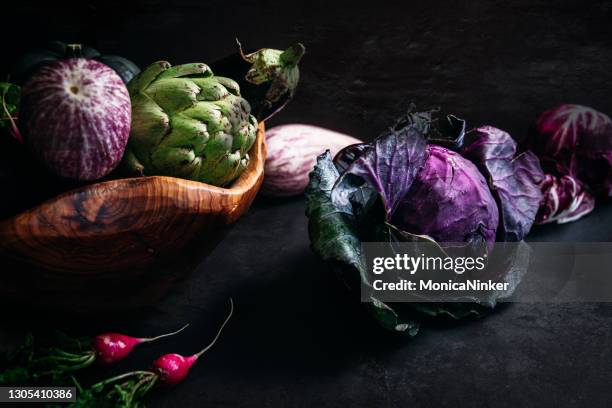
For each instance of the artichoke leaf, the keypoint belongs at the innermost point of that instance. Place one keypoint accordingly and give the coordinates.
(146, 77)
(211, 114)
(148, 120)
(174, 94)
(231, 85)
(186, 132)
(210, 89)
(176, 162)
(224, 170)
(196, 68)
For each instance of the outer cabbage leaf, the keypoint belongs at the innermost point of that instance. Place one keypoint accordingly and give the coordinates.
(389, 166)
(345, 157)
(447, 131)
(449, 201)
(513, 179)
(333, 235)
(565, 200)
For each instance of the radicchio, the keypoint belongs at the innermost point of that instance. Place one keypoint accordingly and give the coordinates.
(565, 200)
(576, 140)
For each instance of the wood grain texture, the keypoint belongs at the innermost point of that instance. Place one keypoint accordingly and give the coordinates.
(126, 225)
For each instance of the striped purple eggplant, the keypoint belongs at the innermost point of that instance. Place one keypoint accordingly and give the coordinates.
(292, 153)
(75, 116)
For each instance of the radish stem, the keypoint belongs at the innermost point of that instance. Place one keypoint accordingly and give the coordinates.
(161, 336)
(212, 343)
(101, 384)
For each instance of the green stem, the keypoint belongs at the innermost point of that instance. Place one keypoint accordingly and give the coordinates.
(65, 368)
(58, 359)
(152, 378)
(67, 354)
(76, 384)
(102, 384)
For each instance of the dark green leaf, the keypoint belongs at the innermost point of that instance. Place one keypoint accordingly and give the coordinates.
(333, 236)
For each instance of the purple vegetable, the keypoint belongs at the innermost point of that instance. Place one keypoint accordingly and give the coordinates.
(576, 140)
(449, 201)
(345, 157)
(565, 200)
(390, 165)
(291, 154)
(514, 180)
(75, 116)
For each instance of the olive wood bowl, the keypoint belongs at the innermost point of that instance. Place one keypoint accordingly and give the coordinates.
(90, 247)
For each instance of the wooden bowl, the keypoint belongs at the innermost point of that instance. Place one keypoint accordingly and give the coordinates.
(103, 236)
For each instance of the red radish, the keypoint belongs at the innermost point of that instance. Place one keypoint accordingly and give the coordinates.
(75, 115)
(75, 354)
(113, 347)
(173, 368)
(129, 388)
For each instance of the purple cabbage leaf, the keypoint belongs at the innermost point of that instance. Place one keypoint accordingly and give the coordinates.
(388, 166)
(513, 179)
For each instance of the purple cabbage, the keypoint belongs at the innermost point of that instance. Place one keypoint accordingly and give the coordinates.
(483, 192)
(513, 179)
(449, 201)
(405, 186)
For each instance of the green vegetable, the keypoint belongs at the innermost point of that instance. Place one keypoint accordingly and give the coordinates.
(31, 363)
(268, 78)
(188, 123)
(121, 391)
(9, 97)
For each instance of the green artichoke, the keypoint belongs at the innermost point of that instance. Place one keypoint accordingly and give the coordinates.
(188, 123)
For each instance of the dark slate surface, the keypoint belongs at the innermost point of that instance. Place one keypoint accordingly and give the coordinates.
(295, 340)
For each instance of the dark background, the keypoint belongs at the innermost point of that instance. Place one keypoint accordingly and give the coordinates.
(295, 340)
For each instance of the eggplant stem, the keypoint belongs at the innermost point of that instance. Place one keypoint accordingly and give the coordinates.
(161, 336)
(212, 343)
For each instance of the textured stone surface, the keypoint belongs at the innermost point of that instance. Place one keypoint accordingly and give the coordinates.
(295, 341)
